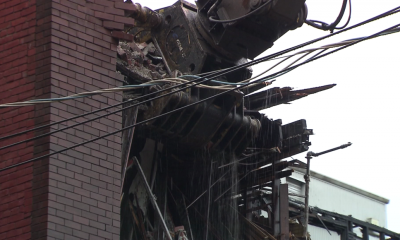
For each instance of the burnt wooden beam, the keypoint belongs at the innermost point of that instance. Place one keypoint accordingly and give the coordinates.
(276, 96)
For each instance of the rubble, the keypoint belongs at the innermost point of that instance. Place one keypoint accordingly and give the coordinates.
(140, 61)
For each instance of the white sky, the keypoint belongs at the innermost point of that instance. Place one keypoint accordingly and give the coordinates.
(362, 107)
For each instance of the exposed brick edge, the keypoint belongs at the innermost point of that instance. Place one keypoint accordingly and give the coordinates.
(41, 63)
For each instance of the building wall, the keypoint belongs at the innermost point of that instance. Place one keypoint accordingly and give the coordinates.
(332, 197)
(337, 199)
(52, 49)
(317, 233)
(17, 80)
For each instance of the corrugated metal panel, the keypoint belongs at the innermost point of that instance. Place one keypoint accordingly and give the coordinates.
(295, 187)
(318, 233)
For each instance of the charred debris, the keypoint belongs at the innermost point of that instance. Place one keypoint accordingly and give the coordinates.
(206, 170)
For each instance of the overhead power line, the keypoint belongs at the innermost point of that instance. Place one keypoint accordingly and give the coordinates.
(195, 103)
(116, 89)
(118, 110)
(75, 96)
(176, 80)
(210, 74)
(203, 79)
(319, 51)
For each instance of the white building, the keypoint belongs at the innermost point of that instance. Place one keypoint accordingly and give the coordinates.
(335, 196)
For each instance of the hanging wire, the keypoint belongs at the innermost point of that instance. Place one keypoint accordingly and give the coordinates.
(348, 19)
(324, 26)
(267, 58)
(76, 96)
(320, 50)
(324, 48)
(273, 56)
(117, 89)
(203, 79)
(200, 101)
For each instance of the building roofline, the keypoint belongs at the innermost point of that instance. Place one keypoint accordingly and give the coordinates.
(343, 185)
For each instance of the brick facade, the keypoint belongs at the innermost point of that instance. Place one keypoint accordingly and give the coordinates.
(52, 49)
(17, 49)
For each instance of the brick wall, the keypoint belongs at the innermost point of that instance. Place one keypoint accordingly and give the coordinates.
(60, 48)
(17, 47)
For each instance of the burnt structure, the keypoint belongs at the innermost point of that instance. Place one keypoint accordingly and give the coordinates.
(343, 225)
(211, 187)
(204, 164)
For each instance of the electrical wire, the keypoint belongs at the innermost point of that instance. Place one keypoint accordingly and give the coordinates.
(74, 125)
(117, 89)
(239, 18)
(320, 49)
(272, 56)
(213, 74)
(234, 84)
(195, 103)
(264, 72)
(93, 112)
(75, 96)
(332, 26)
(348, 19)
(98, 117)
(82, 115)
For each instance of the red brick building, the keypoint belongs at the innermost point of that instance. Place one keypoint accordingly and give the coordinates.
(50, 49)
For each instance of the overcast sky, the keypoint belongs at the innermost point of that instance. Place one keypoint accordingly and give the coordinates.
(364, 106)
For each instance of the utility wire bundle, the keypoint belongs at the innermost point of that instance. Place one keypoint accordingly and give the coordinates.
(331, 27)
(198, 81)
